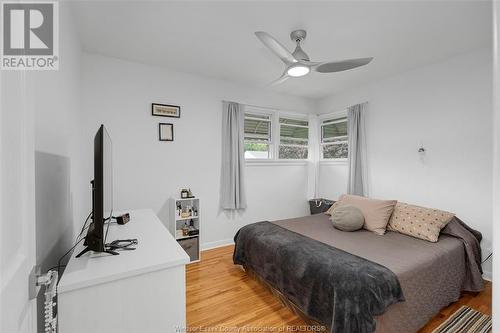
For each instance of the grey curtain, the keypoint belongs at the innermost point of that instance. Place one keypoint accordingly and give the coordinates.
(233, 158)
(357, 149)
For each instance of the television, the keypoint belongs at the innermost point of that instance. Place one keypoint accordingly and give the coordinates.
(102, 193)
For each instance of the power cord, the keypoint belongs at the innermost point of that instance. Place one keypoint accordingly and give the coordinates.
(64, 255)
(84, 227)
(78, 241)
(488, 257)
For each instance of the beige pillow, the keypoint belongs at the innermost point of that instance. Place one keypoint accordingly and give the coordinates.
(332, 207)
(419, 222)
(376, 212)
(347, 218)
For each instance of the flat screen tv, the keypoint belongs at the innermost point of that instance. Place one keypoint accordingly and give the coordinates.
(102, 193)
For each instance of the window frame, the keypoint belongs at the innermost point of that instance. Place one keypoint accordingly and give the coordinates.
(332, 118)
(275, 135)
(293, 116)
(262, 112)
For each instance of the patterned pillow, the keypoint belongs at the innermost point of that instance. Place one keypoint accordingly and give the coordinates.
(419, 222)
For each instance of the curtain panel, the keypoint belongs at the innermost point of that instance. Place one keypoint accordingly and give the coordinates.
(233, 157)
(357, 179)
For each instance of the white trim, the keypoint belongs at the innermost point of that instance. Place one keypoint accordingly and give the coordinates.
(333, 115)
(487, 275)
(268, 108)
(292, 115)
(294, 145)
(216, 244)
(333, 161)
(262, 162)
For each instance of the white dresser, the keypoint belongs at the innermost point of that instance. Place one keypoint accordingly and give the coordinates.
(137, 291)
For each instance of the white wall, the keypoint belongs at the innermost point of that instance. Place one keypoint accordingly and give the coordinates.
(54, 97)
(147, 172)
(446, 107)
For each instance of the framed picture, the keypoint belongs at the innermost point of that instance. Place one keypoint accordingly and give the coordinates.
(165, 110)
(166, 132)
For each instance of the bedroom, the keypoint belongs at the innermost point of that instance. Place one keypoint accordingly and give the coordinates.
(426, 100)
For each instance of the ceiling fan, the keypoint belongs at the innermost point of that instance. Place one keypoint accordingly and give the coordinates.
(298, 63)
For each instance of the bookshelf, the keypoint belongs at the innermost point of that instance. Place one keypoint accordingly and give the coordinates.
(184, 221)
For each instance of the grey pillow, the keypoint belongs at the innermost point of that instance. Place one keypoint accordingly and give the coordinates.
(347, 218)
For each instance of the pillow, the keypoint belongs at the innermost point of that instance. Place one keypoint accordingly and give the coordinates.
(419, 222)
(332, 207)
(376, 212)
(347, 218)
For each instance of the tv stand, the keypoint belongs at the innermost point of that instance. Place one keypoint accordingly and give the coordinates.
(138, 291)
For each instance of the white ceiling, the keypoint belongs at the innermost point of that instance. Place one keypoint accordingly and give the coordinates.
(215, 39)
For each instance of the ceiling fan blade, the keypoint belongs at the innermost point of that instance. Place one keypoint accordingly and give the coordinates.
(276, 47)
(339, 66)
(280, 80)
(310, 63)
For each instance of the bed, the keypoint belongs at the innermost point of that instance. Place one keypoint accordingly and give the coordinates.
(430, 275)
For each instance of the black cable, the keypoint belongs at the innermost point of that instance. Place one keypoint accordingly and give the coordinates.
(51, 268)
(78, 241)
(60, 259)
(84, 227)
(122, 244)
(107, 228)
(488, 257)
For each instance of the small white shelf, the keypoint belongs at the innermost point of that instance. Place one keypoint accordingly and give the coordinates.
(190, 244)
(179, 235)
(178, 218)
(186, 199)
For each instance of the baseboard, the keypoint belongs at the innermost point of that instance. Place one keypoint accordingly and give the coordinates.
(216, 244)
(487, 275)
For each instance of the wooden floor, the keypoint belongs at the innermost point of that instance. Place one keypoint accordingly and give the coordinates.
(221, 297)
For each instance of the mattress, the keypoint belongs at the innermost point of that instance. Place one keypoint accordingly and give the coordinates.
(431, 274)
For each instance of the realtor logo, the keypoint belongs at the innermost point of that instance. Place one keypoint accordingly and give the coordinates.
(30, 35)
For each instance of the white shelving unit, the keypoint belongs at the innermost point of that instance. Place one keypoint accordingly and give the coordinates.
(190, 243)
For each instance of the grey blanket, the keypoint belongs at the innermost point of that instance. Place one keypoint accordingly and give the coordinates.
(470, 238)
(329, 285)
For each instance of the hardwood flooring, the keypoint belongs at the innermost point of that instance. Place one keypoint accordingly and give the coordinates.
(222, 298)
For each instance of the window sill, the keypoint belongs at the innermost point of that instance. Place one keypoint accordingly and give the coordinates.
(256, 162)
(342, 161)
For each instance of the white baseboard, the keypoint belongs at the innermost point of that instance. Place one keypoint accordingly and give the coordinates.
(487, 275)
(216, 244)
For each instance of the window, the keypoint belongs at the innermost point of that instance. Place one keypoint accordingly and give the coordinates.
(334, 138)
(257, 137)
(294, 138)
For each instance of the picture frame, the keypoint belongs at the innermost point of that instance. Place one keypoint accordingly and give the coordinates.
(165, 132)
(165, 110)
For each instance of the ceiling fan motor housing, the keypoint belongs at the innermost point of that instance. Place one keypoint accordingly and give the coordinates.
(298, 36)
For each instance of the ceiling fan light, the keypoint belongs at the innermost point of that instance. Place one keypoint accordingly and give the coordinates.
(299, 70)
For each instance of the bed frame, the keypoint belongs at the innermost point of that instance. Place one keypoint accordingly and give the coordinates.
(284, 300)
